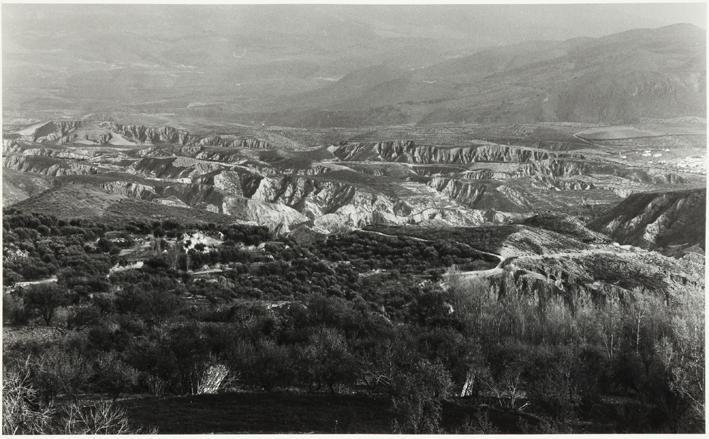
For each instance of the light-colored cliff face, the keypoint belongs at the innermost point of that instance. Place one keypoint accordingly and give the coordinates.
(465, 192)
(559, 184)
(286, 201)
(277, 217)
(410, 152)
(264, 176)
(554, 168)
(53, 131)
(76, 154)
(314, 197)
(130, 189)
(229, 183)
(168, 135)
(104, 133)
(143, 134)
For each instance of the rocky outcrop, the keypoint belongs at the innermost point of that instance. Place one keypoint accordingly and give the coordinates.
(410, 152)
(53, 131)
(47, 166)
(554, 168)
(102, 133)
(347, 185)
(129, 189)
(561, 184)
(228, 182)
(232, 142)
(566, 225)
(483, 174)
(462, 191)
(285, 201)
(173, 168)
(277, 217)
(143, 134)
(576, 267)
(313, 197)
(10, 146)
(173, 136)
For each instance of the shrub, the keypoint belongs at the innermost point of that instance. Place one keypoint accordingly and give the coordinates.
(99, 418)
(212, 379)
(83, 316)
(44, 299)
(151, 304)
(264, 364)
(58, 371)
(328, 360)
(111, 375)
(21, 410)
(13, 310)
(417, 392)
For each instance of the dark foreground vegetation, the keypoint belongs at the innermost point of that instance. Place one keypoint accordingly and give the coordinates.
(349, 334)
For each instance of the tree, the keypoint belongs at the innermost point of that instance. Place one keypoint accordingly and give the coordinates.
(611, 320)
(58, 371)
(416, 386)
(264, 364)
(44, 300)
(417, 392)
(152, 304)
(328, 360)
(13, 310)
(683, 358)
(111, 375)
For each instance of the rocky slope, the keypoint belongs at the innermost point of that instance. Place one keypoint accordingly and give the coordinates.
(47, 166)
(349, 184)
(658, 220)
(409, 152)
(571, 269)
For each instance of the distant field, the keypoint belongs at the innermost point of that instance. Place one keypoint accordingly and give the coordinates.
(615, 132)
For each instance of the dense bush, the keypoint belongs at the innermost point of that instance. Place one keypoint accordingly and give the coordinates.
(322, 317)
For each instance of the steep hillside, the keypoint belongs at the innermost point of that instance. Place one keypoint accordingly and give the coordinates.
(659, 220)
(18, 186)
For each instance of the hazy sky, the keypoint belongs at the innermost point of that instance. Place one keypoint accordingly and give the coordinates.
(518, 21)
(665, 13)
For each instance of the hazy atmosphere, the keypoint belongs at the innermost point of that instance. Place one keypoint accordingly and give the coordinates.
(354, 219)
(257, 63)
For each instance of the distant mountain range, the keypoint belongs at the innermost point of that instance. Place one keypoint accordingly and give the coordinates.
(346, 66)
(653, 73)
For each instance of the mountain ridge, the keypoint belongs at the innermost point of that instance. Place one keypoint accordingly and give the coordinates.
(613, 79)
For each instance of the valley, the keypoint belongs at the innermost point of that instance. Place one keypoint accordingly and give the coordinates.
(449, 219)
(431, 227)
